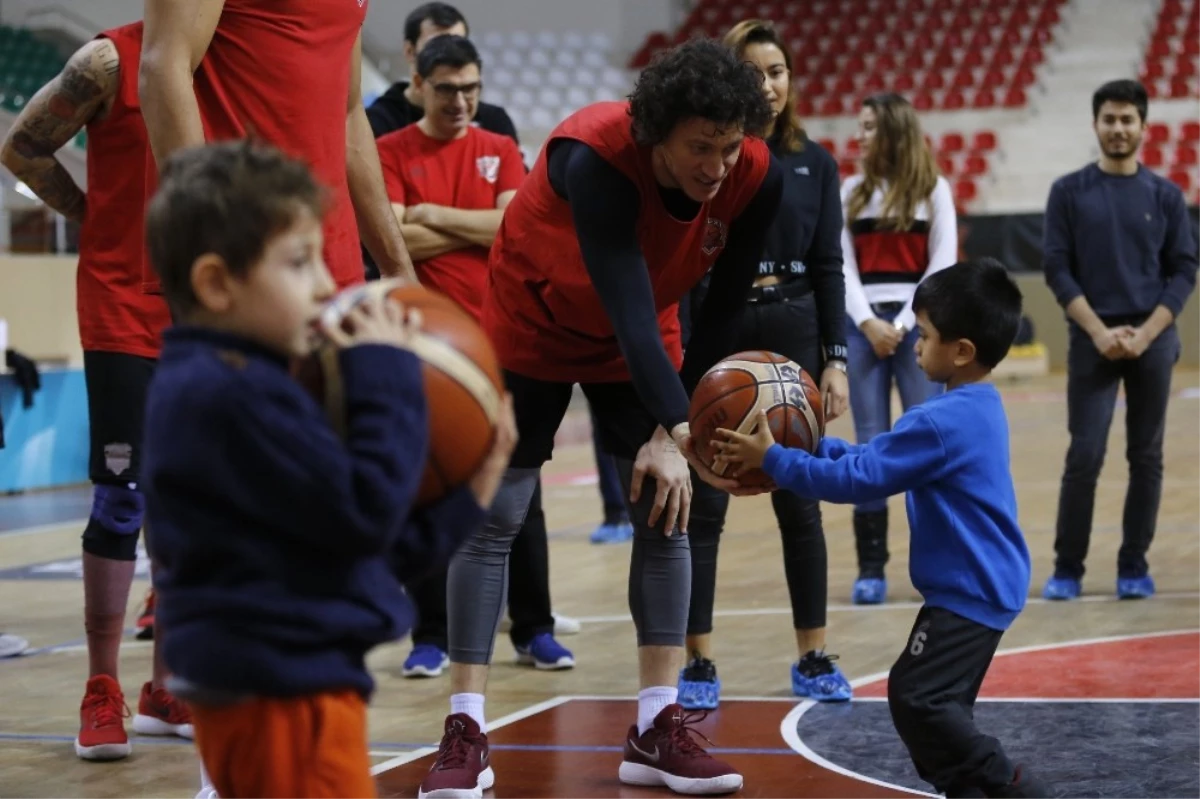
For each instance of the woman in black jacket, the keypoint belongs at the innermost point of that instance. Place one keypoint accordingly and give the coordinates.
(797, 309)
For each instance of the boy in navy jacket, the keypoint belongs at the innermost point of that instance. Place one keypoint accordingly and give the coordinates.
(967, 557)
(279, 544)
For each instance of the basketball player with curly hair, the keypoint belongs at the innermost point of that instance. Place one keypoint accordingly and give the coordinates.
(629, 205)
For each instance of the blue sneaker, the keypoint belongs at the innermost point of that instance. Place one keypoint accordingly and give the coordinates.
(426, 660)
(612, 533)
(1061, 588)
(543, 652)
(869, 591)
(1135, 587)
(699, 685)
(814, 676)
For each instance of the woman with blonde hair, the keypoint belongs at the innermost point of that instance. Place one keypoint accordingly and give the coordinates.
(796, 308)
(900, 228)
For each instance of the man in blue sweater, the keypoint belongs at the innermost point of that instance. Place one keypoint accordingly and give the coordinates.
(281, 545)
(967, 556)
(1120, 258)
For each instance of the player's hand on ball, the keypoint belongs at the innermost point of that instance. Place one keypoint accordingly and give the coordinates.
(375, 320)
(486, 481)
(661, 459)
(740, 451)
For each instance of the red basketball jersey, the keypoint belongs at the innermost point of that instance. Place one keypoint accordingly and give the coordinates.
(114, 314)
(467, 173)
(279, 70)
(541, 310)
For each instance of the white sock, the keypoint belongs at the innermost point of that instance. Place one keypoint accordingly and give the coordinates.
(470, 704)
(651, 701)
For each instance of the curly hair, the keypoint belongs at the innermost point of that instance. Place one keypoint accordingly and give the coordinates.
(699, 78)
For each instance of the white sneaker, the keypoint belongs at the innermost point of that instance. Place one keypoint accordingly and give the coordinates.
(12, 645)
(565, 625)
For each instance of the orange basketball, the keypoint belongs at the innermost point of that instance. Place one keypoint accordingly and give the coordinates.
(732, 392)
(463, 382)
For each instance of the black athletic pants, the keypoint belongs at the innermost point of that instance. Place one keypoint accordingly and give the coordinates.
(931, 694)
(1092, 383)
(788, 327)
(528, 587)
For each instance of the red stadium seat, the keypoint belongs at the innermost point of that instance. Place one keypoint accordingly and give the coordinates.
(952, 142)
(975, 166)
(945, 164)
(1181, 178)
(1190, 131)
(1014, 98)
(954, 101)
(1157, 133)
(965, 191)
(984, 99)
(1152, 156)
(984, 141)
(1185, 155)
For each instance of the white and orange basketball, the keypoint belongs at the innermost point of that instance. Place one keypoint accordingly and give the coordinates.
(732, 392)
(463, 382)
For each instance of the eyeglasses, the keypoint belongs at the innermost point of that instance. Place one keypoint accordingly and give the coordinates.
(449, 91)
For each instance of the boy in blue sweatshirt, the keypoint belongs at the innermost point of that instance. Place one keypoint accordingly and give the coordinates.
(280, 546)
(967, 556)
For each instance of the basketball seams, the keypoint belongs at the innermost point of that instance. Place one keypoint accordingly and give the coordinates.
(461, 369)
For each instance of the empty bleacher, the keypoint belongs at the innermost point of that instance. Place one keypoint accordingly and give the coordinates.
(945, 54)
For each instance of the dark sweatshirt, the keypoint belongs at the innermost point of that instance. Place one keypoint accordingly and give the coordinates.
(280, 548)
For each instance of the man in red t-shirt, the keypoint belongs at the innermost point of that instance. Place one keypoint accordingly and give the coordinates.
(447, 180)
(626, 209)
(120, 329)
(287, 72)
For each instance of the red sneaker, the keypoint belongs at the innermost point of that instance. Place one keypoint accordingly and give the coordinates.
(160, 713)
(667, 755)
(464, 767)
(102, 721)
(145, 619)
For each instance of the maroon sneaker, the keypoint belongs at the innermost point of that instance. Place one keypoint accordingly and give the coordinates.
(463, 769)
(667, 755)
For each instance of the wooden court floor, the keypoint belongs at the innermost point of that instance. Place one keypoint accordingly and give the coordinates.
(551, 744)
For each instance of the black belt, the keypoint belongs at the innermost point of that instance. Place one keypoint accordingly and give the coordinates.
(885, 308)
(780, 292)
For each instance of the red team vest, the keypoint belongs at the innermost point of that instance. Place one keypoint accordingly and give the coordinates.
(280, 70)
(114, 314)
(541, 311)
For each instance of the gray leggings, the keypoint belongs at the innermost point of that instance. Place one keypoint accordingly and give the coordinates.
(660, 572)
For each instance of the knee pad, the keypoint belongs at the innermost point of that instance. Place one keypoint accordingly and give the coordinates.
(112, 530)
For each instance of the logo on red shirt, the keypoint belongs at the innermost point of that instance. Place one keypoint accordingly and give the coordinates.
(715, 235)
(489, 167)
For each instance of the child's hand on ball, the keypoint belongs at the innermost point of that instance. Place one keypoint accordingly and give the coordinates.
(740, 452)
(375, 320)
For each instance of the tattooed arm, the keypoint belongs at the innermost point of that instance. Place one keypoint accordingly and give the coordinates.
(83, 90)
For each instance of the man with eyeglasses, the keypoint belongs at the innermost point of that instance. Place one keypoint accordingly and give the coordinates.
(403, 104)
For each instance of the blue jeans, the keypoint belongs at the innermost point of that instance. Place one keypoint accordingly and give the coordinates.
(871, 386)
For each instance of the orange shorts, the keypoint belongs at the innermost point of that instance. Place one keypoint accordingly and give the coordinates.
(308, 746)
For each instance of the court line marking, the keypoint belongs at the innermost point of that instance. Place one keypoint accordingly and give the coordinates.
(789, 727)
(503, 721)
(1052, 700)
(901, 605)
(37, 529)
(1107, 639)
